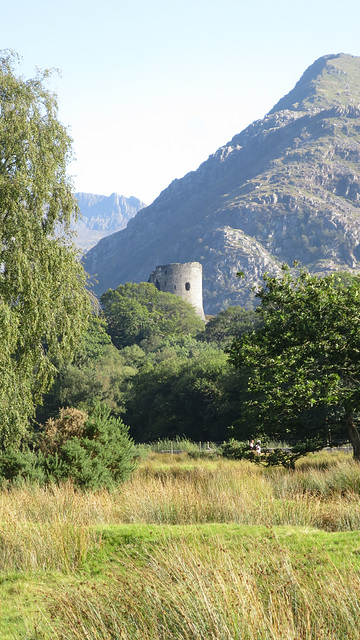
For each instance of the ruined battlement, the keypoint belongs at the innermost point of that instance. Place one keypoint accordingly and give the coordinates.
(183, 280)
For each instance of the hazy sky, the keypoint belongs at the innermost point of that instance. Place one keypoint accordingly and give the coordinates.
(150, 89)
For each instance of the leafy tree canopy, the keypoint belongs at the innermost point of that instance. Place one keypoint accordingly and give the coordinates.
(98, 372)
(230, 324)
(94, 342)
(136, 312)
(303, 364)
(185, 389)
(43, 301)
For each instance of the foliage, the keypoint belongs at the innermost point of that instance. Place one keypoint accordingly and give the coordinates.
(20, 465)
(137, 311)
(236, 450)
(90, 450)
(166, 388)
(285, 457)
(303, 365)
(93, 451)
(98, 373)
(185, 392)
(56, 432)
(229, 325)
(93, 343)
(43, 301)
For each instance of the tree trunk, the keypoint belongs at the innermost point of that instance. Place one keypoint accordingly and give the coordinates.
(353, 435)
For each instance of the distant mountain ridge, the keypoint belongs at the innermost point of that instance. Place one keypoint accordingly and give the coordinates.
(103, 215)
(286, 188)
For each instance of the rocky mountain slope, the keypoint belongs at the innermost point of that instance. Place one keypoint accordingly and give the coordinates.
(102, 215)
(286, 188)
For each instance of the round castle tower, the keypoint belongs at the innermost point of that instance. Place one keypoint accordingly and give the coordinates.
(184, 280)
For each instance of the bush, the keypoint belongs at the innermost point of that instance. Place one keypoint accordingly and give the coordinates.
(93, 451)
(281, 455)
(16, 466)
(237, 451)
(57, 431)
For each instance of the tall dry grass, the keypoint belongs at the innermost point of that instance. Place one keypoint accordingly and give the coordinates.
(242, 493)
(185, 588)
(186, 492)
(51, 528)
(47, 529)
(213, 592)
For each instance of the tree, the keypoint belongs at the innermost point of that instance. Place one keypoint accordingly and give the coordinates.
(98, 372)
(187, 391)
(303, 364)
(230, 324)
(44, 304)
(105, 378)
(136, 312)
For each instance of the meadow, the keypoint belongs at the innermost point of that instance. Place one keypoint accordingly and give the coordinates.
(187, 548)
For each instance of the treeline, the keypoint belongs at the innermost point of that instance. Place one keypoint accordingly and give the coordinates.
(288, 371)
(157, 366)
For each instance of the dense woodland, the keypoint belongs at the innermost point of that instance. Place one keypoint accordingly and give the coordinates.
(157, 365)
(286, 371)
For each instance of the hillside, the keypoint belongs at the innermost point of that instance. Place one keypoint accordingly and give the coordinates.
(286, 188)
(103, 215)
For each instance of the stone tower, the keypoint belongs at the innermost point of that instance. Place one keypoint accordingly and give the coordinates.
(184, 280)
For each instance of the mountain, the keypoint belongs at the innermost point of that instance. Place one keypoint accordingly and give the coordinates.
(102, 215)
(286, 188)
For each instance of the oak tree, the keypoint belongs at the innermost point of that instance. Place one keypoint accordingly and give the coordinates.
(304, 363)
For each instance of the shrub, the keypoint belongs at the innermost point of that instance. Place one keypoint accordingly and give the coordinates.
(57, 431)
(93, 451)
(281, 455)
(16, 466)
(237, 451)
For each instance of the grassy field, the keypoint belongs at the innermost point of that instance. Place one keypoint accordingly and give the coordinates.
(193, 549)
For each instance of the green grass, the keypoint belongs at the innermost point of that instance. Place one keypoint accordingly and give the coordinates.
(210, 581)
(187, 549)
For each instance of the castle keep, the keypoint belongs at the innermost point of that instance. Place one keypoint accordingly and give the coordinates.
(184, 280)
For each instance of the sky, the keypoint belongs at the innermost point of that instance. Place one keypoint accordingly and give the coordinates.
(149, 89)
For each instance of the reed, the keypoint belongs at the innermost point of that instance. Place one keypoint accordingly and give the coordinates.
(219, 591)
(193, 492)
(34, 548)
(124, 570)
(236, 491)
